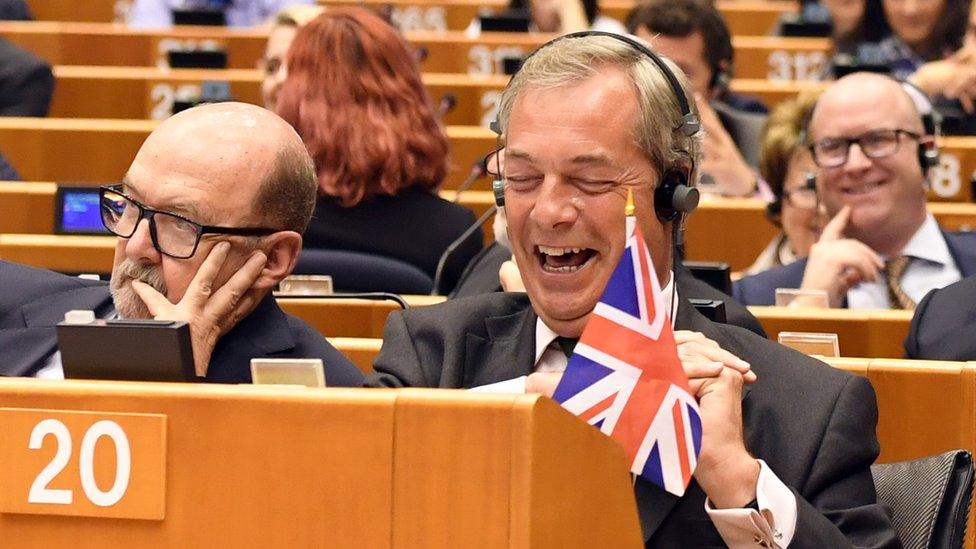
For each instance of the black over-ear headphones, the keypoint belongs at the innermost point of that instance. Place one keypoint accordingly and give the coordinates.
(928, 151)
(673, 195)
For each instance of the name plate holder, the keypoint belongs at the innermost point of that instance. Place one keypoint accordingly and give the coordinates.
(87, 464)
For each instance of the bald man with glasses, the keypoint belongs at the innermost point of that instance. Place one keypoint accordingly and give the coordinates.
(881, 249)
(210, 217)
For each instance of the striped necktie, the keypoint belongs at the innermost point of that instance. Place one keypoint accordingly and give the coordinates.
(894, 269)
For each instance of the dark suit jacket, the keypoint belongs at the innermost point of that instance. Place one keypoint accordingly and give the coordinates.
(944, 325)
(26, 82)
(415, 226)
(33, 301)
(760, 289)
(481, 277)
(812, 424)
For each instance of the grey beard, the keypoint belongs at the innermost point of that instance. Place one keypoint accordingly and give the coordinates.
(128, 304)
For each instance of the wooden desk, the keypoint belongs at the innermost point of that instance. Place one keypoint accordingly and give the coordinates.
(100, 150)
(266, 466)
(108, 92)
(115, 92)
(68, 254)
(28, 207)
(871, 333)
(757, 57)
(744, 17)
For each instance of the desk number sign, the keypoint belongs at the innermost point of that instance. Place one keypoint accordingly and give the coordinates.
(90, 464)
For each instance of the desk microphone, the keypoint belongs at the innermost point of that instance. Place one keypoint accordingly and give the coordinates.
(446, 104)
(478, 170)
(442, 262)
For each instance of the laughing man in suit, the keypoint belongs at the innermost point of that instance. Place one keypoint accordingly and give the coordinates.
(209, 218)
(583, 121)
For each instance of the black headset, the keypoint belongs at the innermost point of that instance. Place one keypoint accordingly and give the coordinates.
(928, 151)
(673, 195)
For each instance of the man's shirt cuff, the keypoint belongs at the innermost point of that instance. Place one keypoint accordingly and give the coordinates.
(772, 525)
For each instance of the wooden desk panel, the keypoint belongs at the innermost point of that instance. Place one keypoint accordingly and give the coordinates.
(757, 57)
(729, 230)
(868, 333)
(108, 92)
(735, 230)
(744, 17)
(100, 150)
(68, 149)
(68, 254)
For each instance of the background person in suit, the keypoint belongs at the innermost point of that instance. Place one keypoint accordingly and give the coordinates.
(355, 96)
(210, 216)
(881, 248)
(944, 324)
(694, 35)
(569, 162)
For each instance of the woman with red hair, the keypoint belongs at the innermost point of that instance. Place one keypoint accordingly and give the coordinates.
(355, 96)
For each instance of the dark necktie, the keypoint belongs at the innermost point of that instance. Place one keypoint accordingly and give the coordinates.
(894, 270)
(567, 344)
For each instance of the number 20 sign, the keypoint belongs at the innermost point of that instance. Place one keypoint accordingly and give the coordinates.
(92, 464)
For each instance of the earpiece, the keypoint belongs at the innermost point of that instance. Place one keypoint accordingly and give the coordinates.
(498, 189)
(928, 151)
(673, 196)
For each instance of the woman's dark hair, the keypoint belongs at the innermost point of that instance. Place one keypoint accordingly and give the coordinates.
(945, 38)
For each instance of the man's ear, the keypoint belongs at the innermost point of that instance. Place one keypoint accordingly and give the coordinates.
(282, 249)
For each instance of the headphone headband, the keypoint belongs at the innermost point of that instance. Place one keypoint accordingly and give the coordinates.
(690, 124)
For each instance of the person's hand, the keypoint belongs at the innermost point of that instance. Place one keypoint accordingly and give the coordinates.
(954, 78)
(509, 276)
(837, 264)
(702, 359)
(726, 472)
(209, 313)
(721, 158)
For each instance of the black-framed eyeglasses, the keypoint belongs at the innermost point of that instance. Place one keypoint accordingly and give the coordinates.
(172, 234)
(832, 152)
(804, 197)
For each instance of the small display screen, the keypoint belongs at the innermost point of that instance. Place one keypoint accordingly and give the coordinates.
(79, 213)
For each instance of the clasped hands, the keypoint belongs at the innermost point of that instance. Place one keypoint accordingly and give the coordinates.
(726, 471)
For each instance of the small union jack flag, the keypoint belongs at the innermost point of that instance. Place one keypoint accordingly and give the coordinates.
(625, 376)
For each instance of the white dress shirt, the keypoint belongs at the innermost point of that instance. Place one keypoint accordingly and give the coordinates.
(772, 525)
(932, 267)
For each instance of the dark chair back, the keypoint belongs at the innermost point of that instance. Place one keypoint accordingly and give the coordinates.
(361, 272)
(929, 498)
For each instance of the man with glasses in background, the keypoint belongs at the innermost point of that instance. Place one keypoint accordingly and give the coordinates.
(209, 219)
(881, 248)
